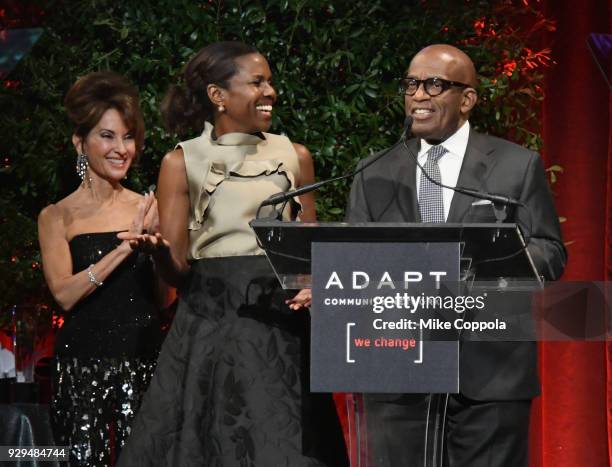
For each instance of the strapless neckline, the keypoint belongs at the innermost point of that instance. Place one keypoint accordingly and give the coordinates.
(86, 234)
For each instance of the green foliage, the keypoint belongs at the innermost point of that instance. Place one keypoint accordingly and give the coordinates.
(336, 67)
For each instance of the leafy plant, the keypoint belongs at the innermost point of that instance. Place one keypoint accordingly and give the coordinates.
(336, 67)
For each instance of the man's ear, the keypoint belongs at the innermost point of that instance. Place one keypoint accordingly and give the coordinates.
(469, 100)
(77, 141)
(216, 94)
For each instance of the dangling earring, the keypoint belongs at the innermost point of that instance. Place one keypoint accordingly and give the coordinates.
(82, 163)
(221, 108)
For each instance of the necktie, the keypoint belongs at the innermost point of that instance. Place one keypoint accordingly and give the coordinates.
(431, 204)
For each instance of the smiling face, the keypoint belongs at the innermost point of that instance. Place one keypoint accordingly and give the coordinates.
(248, 100)
(437, 118)
(110, 147)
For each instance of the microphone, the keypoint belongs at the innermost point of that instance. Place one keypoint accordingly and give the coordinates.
(495, 199)
(284, 196)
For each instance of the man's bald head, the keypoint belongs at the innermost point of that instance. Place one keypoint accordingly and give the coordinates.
(458, 64)
(450, 76)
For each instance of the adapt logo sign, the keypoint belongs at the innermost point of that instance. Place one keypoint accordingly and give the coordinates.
(360, 280)
(362, 296)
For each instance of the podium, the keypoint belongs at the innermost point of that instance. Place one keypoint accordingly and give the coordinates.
(366, 337)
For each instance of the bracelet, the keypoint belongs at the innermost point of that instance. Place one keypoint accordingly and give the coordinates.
(92, 278)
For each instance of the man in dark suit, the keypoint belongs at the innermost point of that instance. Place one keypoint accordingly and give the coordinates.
(487, 422)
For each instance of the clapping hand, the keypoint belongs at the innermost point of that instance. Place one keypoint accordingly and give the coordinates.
(144, 232)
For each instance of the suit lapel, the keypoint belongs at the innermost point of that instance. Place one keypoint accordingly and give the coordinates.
(405, 182)
(477, 164)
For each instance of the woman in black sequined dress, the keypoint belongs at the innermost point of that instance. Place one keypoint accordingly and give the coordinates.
(106, 350)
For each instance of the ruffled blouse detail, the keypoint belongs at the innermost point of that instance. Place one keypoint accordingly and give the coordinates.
(219, 171)
(218, 218)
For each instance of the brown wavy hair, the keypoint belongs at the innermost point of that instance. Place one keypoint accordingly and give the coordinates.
(95, 93)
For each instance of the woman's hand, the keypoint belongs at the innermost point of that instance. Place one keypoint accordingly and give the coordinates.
(151, 220)
(144, 232)
(302, 299)
(153, 244)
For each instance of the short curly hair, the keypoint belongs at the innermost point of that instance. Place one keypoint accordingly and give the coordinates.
(95, 93)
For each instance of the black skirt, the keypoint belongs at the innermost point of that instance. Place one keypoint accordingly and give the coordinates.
(230, 388)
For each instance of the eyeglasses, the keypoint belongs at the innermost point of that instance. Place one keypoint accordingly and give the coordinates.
(433, 86)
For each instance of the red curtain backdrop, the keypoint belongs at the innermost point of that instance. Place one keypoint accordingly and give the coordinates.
(572, 423)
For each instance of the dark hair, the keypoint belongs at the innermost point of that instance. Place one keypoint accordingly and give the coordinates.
(95, 93)
(186, 106)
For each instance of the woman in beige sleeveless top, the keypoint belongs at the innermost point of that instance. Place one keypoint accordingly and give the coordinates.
(229, 389)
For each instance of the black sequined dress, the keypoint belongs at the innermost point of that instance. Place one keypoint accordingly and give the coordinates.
(105, 355)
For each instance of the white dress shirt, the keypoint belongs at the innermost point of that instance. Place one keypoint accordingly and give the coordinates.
(449, 163)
